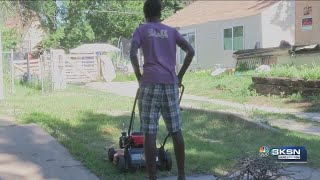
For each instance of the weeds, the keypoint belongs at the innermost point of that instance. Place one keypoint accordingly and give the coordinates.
(122, 77)
(297, 97)
(290, 71)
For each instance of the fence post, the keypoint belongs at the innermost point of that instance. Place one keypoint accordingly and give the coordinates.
(58, 70)
(12, 74)
(41, 74)
(52, 70)
(1, 72)
(28, 62)
(98, 59)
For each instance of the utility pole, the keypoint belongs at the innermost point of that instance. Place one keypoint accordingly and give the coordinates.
(1, 72)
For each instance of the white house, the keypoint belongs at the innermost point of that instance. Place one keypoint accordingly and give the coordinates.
(217, 29)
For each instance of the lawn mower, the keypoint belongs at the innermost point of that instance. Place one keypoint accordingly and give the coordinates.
(130, 156)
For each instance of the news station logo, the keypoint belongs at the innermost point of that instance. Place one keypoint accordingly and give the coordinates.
(264, 151)
(286, 154)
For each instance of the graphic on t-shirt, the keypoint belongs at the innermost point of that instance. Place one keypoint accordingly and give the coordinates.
(162, 34)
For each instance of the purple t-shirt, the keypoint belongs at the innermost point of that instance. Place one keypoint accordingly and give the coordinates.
(158, 43)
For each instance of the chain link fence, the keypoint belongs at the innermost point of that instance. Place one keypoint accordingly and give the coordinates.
(17, 66)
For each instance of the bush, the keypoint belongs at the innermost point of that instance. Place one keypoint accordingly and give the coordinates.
(34, 82)
(10, 38)
(297, 97)
(242, 66)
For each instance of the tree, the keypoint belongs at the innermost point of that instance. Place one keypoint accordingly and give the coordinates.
(10, 39)
(74, 20)
(6, 11)
(69, 23)
(110, 20)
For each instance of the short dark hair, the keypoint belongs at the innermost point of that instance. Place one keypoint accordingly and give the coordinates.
(152, 8)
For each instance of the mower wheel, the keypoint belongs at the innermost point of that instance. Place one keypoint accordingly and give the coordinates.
(168, 161)
(122, 164)
(111, 153)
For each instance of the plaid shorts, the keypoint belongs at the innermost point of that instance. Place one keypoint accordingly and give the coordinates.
(156, 99)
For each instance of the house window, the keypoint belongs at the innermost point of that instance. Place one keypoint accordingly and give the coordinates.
(227, 39)
(190, 37)
(233, 38)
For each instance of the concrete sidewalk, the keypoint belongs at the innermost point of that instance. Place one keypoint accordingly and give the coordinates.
(28, 152)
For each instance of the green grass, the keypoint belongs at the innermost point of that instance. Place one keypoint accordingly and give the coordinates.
(121, 77)
(237, 88)
(230, 87)
(85, 121)
(289, 71)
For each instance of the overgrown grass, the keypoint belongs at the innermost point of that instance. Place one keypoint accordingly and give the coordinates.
(230, 87)
(85, 121)
(290, 71)
(237, 88)
(122, 77)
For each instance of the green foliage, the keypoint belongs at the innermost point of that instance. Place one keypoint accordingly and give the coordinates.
(291, 71)
(171, 6)
(296, 97)
(229, 86)
(47, 13)
(121, 77)
(5, 11)
(112, 19)
(10, 39)
(76, 35)
(53, 40)
(70, 23)
(241, 67)
(34, 82)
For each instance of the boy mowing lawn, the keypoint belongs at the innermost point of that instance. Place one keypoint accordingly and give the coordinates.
(159, 83)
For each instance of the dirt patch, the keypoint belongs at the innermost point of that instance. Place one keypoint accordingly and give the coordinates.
(308, 128)
(277, 102)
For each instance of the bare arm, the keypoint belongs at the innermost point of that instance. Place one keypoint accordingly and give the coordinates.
(184, 45)
(134, 59)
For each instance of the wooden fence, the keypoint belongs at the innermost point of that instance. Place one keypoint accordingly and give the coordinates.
(253, 62)
(21, 67)
(78, 68)
(82, 68)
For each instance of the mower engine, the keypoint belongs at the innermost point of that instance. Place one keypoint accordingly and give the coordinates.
(134, 141)
(131, 155)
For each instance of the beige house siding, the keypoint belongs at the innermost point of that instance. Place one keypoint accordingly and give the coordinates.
(34, 33)
(268, 28)
(306, 37)
(209, 40)
(278, 23)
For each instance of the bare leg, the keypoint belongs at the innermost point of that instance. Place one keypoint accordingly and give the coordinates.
(178, 144)
(150, 150)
